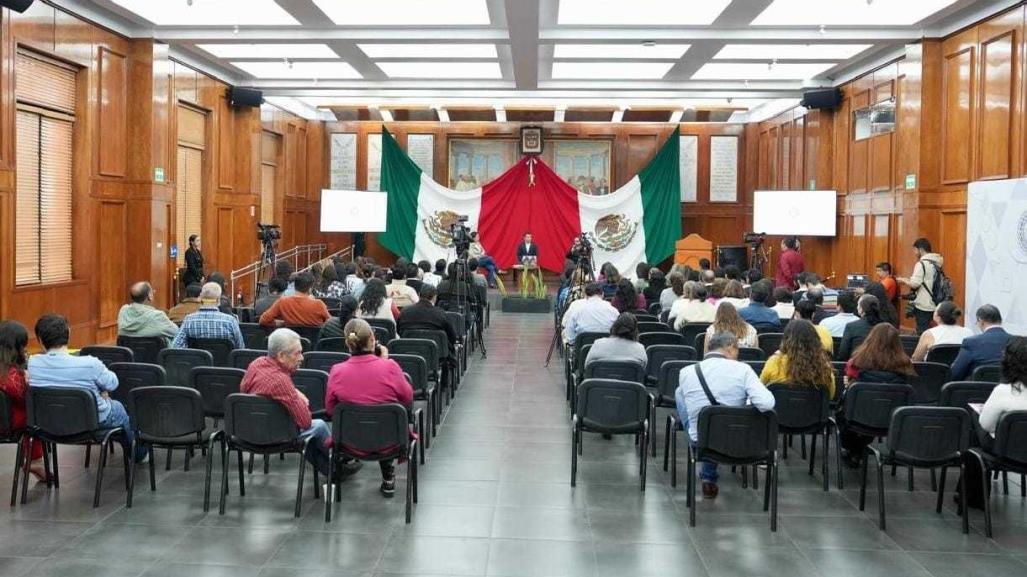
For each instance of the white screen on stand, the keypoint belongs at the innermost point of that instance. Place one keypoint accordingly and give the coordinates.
(798, 212)
(353, 211)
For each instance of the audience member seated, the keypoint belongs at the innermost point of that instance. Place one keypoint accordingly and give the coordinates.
(368, 378)
(14, 342)
(657, 284)
(275, 287)
(983, 349)
(355, 280)
(729, 382)
(476, 277)
(805, 310)
(783, 304)
(414, 278)
(621, 345)
(592, 314)
(1010, 394)
(801, 360)
(333, 326)
(375, 304)
(224, 301)
(734, 294)
(429, 277)
(328, 286)
(398, 290)
(816, 296)
(476, 251)
(835, 324)
(424, 315)
(56, 368)
(757, 313)
(298, 310)
(945, 331)
(284, 270)
(673, 292)
(440, 272)
(271, 376)
(728, 321)
(716, 291)
(190, 304)
(692, 307)
(868, 307)
(140, 319)
(609, 276)
(627, 298)
(208, 322)
(811, 280)
(888, 312)
(880, 359)
(641, 281)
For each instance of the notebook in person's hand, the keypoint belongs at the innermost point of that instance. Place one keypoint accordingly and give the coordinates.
(977, 407)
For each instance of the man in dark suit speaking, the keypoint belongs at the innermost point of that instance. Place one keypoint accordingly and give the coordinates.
(984, 349)
(527, 249)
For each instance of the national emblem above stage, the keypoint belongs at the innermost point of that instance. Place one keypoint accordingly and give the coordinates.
(639, 221)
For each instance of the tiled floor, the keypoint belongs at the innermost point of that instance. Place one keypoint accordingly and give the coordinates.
(495, 499)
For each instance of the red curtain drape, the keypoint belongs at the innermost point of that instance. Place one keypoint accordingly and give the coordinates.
(511, 206)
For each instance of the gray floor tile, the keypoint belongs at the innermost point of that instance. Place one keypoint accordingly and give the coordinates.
(17, 566)
(37, 538)
(527, 558)
(637, 527)
(555, 524)
(648, 560)
(837, 533)
(124, 542)
(410, 554)
(58, 567)
(754, 562)
(968, 565)
(938, 535)
(540, 495)
(451, 521)
(227, 546)
(845, 563)
(191, 570)
(329, 551)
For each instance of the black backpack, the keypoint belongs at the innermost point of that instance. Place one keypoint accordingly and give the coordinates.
(941, 289)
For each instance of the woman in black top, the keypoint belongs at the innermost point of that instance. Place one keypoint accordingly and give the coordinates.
(657, 282)
(888, 312)
(193, 262)
(869, 310)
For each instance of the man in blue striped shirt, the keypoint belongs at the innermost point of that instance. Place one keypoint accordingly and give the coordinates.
(57, 368)
(208, 322)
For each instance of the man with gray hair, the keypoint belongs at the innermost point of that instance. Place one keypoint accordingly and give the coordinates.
(719, 379)
(985, 348)
(208, 322)
(140, 319)
(271, 377)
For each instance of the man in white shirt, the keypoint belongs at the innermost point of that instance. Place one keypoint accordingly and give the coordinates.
(836, 323)
(587, 315)
(731, 383)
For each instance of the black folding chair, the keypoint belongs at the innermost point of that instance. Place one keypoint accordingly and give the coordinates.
(988, 374)
(923, 437)
(667, 384)
(332, 304)
(417, 370)
(661, 338)
(133, 376)
(700, 344)
(659, 354)
(459, 323)
(260, 425)
(868, 409)
(10, 435)
(66, 416)
(751, 354)
(691, 332)
(804, 411)
(427, 350)
(387, 324)
(323, 360)
(736, 436)
(144, 349)
(909, 343)
(651, 326)
(309, 333)
(612, 370)
(170, 418)
(944, 354)
(219, 349)
(645, 317)
(372, 433)
(770, 342)
(313, 384)
(962, 393)
(108, 355)
(611, 407)
(332, 345)
(654, 308)
(254, 335)
(575, 358)
(241, 358)
(1008, 454)
(931, 377)
(178, 364)
(447, 362)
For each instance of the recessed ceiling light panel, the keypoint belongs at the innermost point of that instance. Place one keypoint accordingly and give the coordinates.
(477, 70)
(210, 12)
(299, 51)
(848, 12)
(755, 71)
(790, 51)
(610, 70)
(640, 12)
(299, 70)
(620, 51)
(429, 50)
(406, 12)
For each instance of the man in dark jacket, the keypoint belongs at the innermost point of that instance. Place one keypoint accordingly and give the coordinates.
(984, 349)
(424, 315)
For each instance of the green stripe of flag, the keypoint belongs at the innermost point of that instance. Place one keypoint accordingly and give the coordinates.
(661, 201)
(401, 179)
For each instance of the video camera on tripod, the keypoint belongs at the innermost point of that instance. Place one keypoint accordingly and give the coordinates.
(756, 239)
(461, 235)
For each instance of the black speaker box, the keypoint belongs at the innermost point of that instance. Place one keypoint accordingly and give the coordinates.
(828, 98)
(733, 255)
(239, 96)
(16, 5)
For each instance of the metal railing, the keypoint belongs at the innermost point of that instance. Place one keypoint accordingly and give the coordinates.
(302, 257)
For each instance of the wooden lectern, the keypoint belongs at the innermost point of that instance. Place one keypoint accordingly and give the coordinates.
(690, 249)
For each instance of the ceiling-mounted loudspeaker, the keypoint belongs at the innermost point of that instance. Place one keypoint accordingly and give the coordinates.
(828, 98)
(238, 96)
(16, 5)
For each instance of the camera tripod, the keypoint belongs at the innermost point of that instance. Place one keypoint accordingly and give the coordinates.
(463, 284)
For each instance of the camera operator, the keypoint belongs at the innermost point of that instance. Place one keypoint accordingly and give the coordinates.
(476, 251)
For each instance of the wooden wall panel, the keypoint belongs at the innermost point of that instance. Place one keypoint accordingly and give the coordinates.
(113, 240)
(1001, 60)
(113, 99)
(958, 101)
(225, 134)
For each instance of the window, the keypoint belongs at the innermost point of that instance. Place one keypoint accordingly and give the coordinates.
(268, 175)
(189, 191)
(45, 126)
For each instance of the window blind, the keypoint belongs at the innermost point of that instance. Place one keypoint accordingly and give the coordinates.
(267, 193)
(189, 201)
(45, 91)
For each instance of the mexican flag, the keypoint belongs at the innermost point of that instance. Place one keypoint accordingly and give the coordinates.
(639, 221)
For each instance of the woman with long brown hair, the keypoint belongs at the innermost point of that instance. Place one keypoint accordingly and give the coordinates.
(880, 359)
(728, 321)
(801, 360)
(14, 341)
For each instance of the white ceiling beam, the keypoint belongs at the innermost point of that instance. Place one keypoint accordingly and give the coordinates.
(522, 22)
(292, 34)
(309, 15)
(490, 98)
(760, 35)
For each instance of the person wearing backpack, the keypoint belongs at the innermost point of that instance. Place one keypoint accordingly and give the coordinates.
(928, 285)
